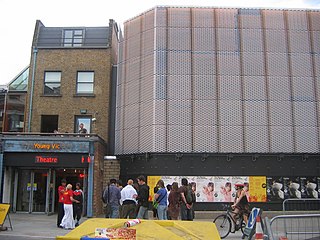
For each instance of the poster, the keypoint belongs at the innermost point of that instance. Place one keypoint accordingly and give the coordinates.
(275, 189)
(257, 189)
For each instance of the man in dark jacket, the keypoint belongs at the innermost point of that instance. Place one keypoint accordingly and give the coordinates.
(143, 198)
(112, 198)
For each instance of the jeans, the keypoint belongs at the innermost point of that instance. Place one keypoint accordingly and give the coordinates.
(186, 214)
(143, 213)
(162, 212)
(114, 211)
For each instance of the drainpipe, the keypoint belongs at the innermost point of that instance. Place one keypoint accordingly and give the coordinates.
(90, 180)
(35, 51)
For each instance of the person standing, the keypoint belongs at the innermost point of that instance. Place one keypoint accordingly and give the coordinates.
(143, 198)
(161, 198)
(67, 221)
(185, 207)
(128, 198)
(82, 129)
(77, 206)
(174, 202)
(61, 190)
(112, 197)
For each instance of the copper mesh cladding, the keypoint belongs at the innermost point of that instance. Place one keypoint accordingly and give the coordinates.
(219, 80)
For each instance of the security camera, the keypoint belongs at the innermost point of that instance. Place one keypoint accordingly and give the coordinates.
(93, 119)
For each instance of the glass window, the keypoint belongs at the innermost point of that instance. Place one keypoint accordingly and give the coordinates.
(73, 38)
(85, 122)
(85, 82)
(52, 83)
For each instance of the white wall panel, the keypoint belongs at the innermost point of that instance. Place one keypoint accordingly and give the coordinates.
(307, 139)
(281, 139)
(256, 139)
(205, 138)
(231, 139)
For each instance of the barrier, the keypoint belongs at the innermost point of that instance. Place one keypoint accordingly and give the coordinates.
(4, 214)
(302, 204)
(149, 229)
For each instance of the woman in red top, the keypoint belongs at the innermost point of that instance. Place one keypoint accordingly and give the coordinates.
(67, 220)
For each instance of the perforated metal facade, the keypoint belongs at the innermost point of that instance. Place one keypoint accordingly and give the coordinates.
(219, 80)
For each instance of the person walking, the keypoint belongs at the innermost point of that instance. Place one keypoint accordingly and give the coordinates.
(174, 202)
(61, 190)
(128, 198)
(67, 221)
(185, 207)
(161, 198)
(143, 198)
(77, 206)
(112, 197)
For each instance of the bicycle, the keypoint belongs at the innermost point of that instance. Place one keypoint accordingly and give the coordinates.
(225, 222)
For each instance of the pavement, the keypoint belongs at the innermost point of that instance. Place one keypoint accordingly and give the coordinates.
(41, 226)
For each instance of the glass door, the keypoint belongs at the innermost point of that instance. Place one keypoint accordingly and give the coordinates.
(50, 196)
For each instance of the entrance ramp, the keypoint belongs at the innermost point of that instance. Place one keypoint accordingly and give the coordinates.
(149, 229)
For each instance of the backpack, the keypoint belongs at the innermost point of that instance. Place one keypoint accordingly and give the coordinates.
(189, 197)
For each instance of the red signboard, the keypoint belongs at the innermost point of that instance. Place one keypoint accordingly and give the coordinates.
(45, 159)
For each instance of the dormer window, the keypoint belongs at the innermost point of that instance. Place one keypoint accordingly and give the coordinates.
(73, 38)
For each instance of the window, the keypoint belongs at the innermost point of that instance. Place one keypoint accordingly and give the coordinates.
(49, 123)
(85, 120)
(85, 82)
(52, 83)
(73, 38)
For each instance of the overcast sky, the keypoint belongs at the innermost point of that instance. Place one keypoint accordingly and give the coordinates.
(18, 18)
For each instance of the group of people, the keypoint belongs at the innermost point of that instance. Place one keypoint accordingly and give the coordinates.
(70, 205)
(132, 201)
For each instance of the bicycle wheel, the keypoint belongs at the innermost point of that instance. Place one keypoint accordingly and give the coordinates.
(243, 226)
(223, 224)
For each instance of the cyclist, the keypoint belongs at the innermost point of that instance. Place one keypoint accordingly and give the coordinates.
(241, 204)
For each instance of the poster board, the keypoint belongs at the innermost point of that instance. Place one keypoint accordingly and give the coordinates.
(4, 209)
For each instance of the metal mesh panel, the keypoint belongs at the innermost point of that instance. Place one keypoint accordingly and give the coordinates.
(179, 17)
(252, 40)
(303, 89)
(230, 112)
(146, 144)
(250, 18)
(146, 92)
(298, 37)
(179, 87)
(280, 113)
(279, 88)
(204, 63)
(301, 65)
(132, 119)
(146, 113)
(161, 38)
(205, 112)
(205, 138)
(230, 88)
(148, 42)
(204, 87)
(274, 19)
(227, 18)
(133, 69)
(254, 88)
(255, 113)
(132, 92)
(307, 139)
(160, 138)
(179, 112)
(314, 20)
(161, 62)
(228, 39)
(147, 65)
(229, 63)
(231, 139)
(148, 20)
(203, 39)
(253, 63)
(179, 138)
(276, 41)
(277, 64)
(203, 18)
(160, 112)
(316, 41)
(281, 139)
(297, 20)
(179, 39)
(179, 63)
(305, 114)
(257, 139)
(317, 66)
(131, 145)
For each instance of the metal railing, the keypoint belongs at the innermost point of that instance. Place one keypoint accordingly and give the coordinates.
(294, 227)
(302, 204)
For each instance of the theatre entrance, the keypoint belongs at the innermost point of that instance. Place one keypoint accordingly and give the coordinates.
(35, 190)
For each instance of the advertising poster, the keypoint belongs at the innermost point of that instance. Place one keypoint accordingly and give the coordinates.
(205, 189)
(257, 189)
(152, 182)
(292, 186)
(309, 187)
(275, 189)
(224, 190)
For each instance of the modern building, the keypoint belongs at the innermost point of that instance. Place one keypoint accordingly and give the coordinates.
(221, 92)
(70, 78)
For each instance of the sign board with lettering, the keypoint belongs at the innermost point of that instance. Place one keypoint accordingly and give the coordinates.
(4, 209)
(250, 227)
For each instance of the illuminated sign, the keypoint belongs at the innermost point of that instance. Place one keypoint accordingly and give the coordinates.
(43, 159)
(46, 146)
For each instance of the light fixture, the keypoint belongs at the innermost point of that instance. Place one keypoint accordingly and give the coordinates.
(83, 111)
(110, 157)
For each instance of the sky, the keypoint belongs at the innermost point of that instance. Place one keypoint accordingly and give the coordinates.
(18, 19)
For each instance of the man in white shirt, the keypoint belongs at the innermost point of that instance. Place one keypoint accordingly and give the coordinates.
(128, 199)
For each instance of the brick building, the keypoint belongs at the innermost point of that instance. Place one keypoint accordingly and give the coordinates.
(72, 71)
